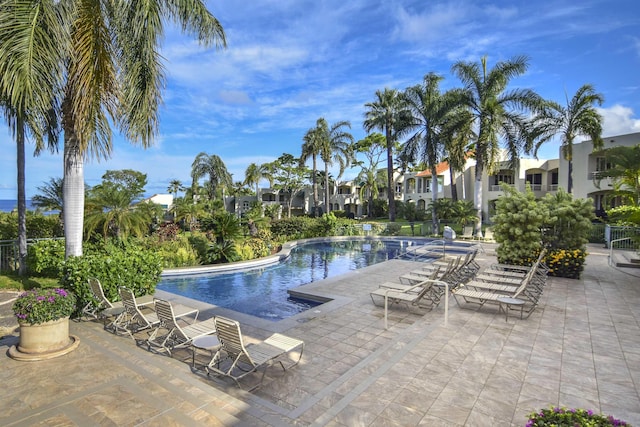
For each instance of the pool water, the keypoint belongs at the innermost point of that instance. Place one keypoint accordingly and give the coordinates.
(263, 292)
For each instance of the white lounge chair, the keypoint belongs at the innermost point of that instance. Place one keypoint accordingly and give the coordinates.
(241, 360)
(133, 319)
(169, 335)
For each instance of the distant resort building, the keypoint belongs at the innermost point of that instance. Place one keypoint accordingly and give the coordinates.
(543, 175)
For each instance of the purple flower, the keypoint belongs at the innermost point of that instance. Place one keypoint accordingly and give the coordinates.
(61, 292)
(589, 412)
(40, 298)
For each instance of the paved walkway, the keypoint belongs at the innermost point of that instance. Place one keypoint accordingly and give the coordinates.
(580, 348)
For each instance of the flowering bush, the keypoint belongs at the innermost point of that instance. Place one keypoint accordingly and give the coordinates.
(563, 417)
(43, 305)
(566, 263)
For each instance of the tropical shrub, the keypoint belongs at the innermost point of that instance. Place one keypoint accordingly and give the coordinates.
(517, 223)
(221, 252)
(175, 253)
(45, 257)
(567, 233)
(393, 229)
(566, 263)
(200, 244)
(44, 305)
(624, 215)
(563, 417)
(122, 263)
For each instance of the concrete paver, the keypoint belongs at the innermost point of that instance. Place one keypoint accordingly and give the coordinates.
(579, 348)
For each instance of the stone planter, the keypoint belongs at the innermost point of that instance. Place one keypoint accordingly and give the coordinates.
(44, 341)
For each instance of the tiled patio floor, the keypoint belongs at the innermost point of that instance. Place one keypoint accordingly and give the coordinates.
(580, 348)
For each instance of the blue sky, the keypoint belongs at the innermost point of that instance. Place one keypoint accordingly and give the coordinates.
(289, 62)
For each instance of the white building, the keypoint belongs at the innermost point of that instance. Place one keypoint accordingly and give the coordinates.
(544, 176)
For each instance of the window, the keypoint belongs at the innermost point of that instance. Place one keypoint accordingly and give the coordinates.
(602, 164)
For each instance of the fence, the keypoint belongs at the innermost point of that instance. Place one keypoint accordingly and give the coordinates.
(625, 237)
(9, 253)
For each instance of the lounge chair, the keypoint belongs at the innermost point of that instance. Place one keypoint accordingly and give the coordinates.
(101, 307)
(176, 336)
(467, 233)
(416, 295)
(486, 292)
(244, 359)
(133, 319)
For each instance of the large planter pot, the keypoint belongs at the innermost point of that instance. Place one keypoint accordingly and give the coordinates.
(44, 341)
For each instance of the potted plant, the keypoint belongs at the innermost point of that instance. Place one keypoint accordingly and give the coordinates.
(43, 316)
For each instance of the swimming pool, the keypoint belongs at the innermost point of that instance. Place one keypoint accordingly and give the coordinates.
(262, 292)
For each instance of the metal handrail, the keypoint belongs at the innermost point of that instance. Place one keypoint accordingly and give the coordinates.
(611, 248)
(422, 247)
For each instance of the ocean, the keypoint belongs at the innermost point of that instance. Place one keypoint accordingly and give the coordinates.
(9, 205)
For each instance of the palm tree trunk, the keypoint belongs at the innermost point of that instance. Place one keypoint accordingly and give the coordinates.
(326, 188)
(391, 190)
(454, 189)
(73, 193)
(477, 197)
(434, 197)
(315, 186)
(570, 177)
(22, 202)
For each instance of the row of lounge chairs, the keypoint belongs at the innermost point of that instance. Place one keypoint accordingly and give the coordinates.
(173, 326)
(425, 287)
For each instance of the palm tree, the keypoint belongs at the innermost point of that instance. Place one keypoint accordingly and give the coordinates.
(625, 172)
(252, 176)
(111, 211)
(175, 186)
(498, 113)
(458, 137)
(335, 145)
(111, 72)
(213, 167)
(579, 117)
(386, 114)
(50, 196)
(30, 74)
(430, 109)
(311, 149)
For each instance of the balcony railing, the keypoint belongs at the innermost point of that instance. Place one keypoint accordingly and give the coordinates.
(552, 187)
(499, 187)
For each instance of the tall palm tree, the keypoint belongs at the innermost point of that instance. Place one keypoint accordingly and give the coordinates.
(30, 74)
(625, 172)
(252, 176)
(498, 114)
(213, 167)
(578, 117)
(311, 148)
(336, 144)
(175, 186)
(458, 138)
(386, 114)
(112, 73)
(430, 109)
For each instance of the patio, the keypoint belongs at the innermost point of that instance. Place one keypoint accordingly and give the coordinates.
(580, 348)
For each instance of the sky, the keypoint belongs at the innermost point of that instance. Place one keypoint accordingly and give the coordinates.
(290, 62)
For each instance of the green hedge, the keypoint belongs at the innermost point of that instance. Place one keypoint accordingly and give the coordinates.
(122, 264)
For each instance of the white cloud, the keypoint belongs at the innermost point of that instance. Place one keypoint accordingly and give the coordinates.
(619, 120)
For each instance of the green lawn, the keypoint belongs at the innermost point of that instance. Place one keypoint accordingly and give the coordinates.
(15, 282)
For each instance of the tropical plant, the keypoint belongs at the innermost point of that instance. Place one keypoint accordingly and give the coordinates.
(429, 111)
(44, 305)
(213, 167)
(335, 145)
(252, 176)
(386, 114)
(463, 212)
(110, 205)
(106, 71)
(50, 197)
(578, 117)
(289, 178)
(625, 172)
(311, 148)
(221, 252)
(30, 74)
(498, 114)
(187, 211)
(518, 224)
(371, 178)
(175, 186)
(458, 136)
(563, 417)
